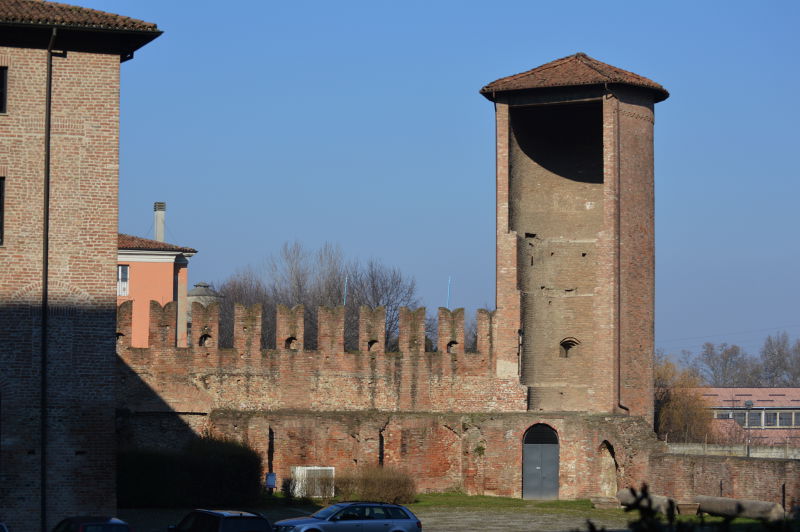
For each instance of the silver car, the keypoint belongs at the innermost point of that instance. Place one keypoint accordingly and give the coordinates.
(355, 517)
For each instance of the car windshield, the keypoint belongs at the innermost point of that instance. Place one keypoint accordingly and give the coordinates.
(244, 524)
(198, 521)
(325, 513)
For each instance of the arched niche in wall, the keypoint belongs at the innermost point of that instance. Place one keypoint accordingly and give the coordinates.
(607, 476)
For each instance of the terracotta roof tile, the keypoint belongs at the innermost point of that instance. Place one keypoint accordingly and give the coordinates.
(761, 397)
(41, 12)
(574, 70)
(137, 242)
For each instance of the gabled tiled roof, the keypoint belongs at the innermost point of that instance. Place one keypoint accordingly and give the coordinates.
(574, 70)
(761, 397)
(40, 12)
(145, 244)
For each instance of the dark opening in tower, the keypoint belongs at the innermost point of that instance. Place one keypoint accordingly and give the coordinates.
(566, 139)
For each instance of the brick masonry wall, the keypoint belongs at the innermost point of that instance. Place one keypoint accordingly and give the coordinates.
(252, 378)
(562, 216)
(478, 453)
(82, 257)
(507, 322)
(447, 420)
(445, 417)
(763, 479)
(636, 250)
(575, 245)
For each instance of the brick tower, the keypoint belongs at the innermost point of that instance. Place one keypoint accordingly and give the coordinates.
(575, 243)
(59, 137)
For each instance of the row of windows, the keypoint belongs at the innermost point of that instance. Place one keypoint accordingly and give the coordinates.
(761, 418)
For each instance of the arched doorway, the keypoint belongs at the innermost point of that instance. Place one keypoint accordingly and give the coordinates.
(540, 463)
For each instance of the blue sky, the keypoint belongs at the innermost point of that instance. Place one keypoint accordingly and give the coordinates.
(360, 123)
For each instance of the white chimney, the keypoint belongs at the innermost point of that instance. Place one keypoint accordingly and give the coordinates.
(159, 213)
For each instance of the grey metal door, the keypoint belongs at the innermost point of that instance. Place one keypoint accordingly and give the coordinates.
(540, 463)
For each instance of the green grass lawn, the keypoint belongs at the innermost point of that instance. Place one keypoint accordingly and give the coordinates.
(460, 500)
(578, 508)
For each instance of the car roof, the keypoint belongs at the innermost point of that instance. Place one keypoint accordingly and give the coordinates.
(230, 513)
(372, 502)
(83, 519)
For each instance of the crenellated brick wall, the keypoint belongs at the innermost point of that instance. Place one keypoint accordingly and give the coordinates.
(444, 416)
(250, 377)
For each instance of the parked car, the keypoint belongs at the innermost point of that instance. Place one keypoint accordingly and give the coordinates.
(222, 521)
(355, 517)
(3, 527)
(87, 523)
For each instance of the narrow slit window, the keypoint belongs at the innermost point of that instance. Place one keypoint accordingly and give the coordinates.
(2, 206)
(3, 89)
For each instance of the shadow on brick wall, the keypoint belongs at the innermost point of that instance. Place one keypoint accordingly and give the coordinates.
(75, 444)
(145, 421)
(168, 458)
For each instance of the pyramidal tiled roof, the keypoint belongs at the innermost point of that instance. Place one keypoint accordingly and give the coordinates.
(573, 70)
(41, 12)
(146, 244)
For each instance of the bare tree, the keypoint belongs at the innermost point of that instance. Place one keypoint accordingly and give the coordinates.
(247, 288)
(726, 365)
(297, 276)
(471, 334)
(431, 333)
(377, 285)
(780, 362)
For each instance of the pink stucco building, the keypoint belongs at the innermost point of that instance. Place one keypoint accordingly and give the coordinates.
(151, 270)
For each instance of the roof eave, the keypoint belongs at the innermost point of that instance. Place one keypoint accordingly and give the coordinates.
(152, 255)
(71, 37)
(490, 93)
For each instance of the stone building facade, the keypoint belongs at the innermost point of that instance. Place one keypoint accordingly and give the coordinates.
(59, 169)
